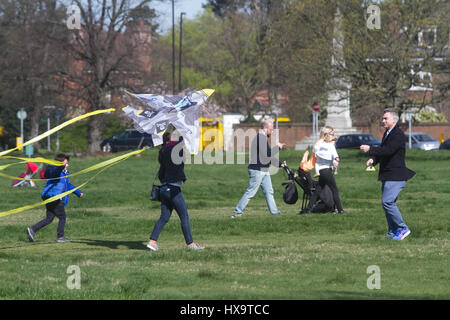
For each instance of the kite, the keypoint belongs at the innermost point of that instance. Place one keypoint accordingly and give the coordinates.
(181, 112)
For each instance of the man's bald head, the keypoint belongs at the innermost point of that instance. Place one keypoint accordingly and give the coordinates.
(267, 127)
(266, 124)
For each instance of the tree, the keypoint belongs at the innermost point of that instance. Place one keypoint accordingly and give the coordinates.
(390, 67)
(261, 14)
(28, 60)
(223, 8)
(216, 53)
(385, 67)
(223, 53)
(299, 59)
(108, 53)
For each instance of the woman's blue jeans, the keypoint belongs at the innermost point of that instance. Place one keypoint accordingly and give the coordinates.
(172, 198)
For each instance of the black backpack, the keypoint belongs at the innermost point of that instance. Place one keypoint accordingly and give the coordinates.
(290, 194)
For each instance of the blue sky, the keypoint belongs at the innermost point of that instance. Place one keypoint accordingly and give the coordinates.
(164, 9)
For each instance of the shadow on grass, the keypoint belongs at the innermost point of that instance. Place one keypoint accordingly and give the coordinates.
(28, 244)
(134, 245)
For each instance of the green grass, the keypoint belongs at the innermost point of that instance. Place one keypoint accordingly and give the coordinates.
(259, 256)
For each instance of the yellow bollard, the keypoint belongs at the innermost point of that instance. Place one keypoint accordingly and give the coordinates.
(19, 142)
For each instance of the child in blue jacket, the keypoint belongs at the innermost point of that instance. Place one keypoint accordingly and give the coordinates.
(51, 189)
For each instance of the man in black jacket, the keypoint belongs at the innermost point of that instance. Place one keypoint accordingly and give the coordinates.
(393, 172)
(261, 157)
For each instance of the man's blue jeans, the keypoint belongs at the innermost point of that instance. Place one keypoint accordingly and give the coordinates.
(172, 198)
(258, 178)
(390, 191)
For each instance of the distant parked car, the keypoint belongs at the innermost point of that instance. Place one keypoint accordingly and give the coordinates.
(354, 140)
(422, 141)
(445, 145)
(125, 140)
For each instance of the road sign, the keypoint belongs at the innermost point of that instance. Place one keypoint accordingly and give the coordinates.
(316, 107)
(29, 150)
(21, 114)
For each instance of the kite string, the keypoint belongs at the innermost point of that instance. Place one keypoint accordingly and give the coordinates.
(89, 169)
(57, 128)
(105, 167)
(40, 137)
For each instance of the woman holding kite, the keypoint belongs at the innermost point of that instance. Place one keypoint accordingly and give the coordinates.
(171, 175)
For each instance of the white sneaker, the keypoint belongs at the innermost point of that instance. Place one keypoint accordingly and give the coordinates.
(30, 234)
(195, 246)
(153, 247)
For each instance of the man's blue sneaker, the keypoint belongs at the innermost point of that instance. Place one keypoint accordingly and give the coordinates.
(401, 234)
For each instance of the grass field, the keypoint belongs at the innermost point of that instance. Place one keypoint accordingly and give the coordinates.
(259, 256)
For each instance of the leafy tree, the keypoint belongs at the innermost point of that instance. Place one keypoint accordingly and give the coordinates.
(108, 47)
(221, 54)
(385, 66)
(382, 65)
(28, 61)
(425, 115)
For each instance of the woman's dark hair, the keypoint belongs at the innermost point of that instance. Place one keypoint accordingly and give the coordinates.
(166, 138)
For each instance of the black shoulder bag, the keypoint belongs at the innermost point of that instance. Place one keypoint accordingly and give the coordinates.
(154, 195)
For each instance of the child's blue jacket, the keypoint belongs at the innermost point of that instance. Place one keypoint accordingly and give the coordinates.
(57, 186)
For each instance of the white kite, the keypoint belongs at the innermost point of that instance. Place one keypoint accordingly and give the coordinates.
(181, 112)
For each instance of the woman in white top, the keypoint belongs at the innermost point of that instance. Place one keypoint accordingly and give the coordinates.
(327, 160)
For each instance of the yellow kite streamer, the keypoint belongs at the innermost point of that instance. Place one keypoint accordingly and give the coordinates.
(104, 165)
(11, 164)
(49, 132)
(25, 160)
(38, 159)
(91, 168)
